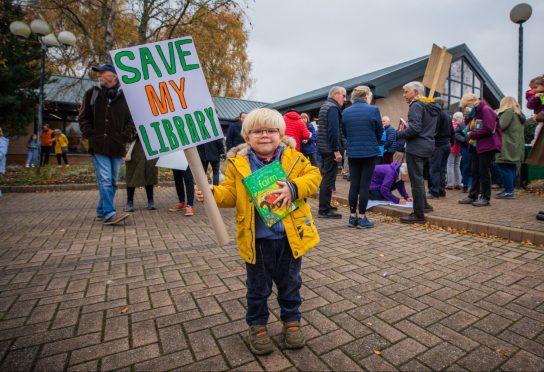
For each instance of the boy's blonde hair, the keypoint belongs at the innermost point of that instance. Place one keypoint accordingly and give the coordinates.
(263, 118)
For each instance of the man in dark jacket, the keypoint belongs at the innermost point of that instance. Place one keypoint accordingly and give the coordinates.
(329, 146)
(211, 153)
(105, 121)
(419, 135)
(438, 163)
(390, 145)
(234, 133)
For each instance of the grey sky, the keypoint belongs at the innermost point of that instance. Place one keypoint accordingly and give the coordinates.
(300, 45)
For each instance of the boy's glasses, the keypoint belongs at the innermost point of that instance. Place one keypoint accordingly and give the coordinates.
(269, 131)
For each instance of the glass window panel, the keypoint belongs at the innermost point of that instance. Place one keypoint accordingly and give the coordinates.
(477, 82)
(455, 70)
(446, 87)
(467, 89)
(454, 104)
(478, 92)
(455, 89)
(468, 75)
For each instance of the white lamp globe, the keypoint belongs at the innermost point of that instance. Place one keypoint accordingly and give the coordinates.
(19, 28)
(40, 27)
(67, 38)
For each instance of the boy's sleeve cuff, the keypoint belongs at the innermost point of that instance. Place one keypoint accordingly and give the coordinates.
(293, 188)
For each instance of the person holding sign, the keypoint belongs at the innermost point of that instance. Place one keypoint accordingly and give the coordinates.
(272, 254)
(105, 121)
(419, 135)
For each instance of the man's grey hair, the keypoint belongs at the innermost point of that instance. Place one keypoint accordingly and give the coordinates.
(336, 89)
(415, 85)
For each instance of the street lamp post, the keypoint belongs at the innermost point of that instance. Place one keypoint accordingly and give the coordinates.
(46, 39)
(520, 14)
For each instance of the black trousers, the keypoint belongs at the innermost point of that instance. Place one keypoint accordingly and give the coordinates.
(329, 169)
(44, 155)
(481, 175)
(215, 170)
(360, 170)
(63, 156)
(182, 177)
(438, 165)
(132, 190)
(415, 170)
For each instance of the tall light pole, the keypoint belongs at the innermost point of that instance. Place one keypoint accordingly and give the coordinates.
(520, 14)
(46, 40)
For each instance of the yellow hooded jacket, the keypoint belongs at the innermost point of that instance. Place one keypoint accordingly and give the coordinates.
(299, 224)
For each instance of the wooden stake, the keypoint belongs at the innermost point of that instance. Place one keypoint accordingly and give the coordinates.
(212, 211)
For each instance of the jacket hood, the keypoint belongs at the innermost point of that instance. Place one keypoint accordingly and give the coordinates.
(292, 116)
(395, 166)
(242, 149)
(432, 108)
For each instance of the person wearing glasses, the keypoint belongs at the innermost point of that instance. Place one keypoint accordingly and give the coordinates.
(272, 254)
(329, 146)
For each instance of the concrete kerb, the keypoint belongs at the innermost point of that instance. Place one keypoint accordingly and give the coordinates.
(503, 232)
(65, 187)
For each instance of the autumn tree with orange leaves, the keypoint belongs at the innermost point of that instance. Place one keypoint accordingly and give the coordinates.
(217, 27)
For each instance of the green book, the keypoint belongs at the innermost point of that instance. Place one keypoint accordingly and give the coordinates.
(260, 185)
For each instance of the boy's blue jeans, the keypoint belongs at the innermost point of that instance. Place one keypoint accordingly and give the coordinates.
(107, 172)
(275, 263)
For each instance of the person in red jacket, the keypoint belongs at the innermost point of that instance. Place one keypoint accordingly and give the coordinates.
(295, 127)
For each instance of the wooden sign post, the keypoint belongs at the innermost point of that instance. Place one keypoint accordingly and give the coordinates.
(171, 107)
(437, 70)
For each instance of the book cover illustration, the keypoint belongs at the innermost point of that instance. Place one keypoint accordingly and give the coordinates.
(260, 185)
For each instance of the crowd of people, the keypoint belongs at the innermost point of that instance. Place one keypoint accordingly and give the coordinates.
(457, 152)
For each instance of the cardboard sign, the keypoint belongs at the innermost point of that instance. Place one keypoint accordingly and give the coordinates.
(437, 69)
(167, 95)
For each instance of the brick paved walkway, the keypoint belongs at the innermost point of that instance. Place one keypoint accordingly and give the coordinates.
(158, 294)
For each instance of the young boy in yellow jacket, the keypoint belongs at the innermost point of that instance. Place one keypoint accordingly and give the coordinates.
(271, 254)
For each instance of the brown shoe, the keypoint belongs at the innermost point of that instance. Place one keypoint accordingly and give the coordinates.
(293, 336)
(116, 219)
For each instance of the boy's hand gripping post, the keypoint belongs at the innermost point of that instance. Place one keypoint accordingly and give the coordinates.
(212, 211)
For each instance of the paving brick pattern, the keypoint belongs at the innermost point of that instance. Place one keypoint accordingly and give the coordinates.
(158, 294)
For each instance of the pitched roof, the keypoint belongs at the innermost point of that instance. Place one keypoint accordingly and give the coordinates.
(70, 90)
(230, 108)
(385, 79)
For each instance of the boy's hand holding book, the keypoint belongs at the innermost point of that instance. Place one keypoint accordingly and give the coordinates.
(283, 195)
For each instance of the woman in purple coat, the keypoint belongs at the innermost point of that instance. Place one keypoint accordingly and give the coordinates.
(388, 178)
(483, 129)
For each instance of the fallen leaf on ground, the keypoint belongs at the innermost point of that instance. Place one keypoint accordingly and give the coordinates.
(377, 352)
(501, 352)
(124, 310)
